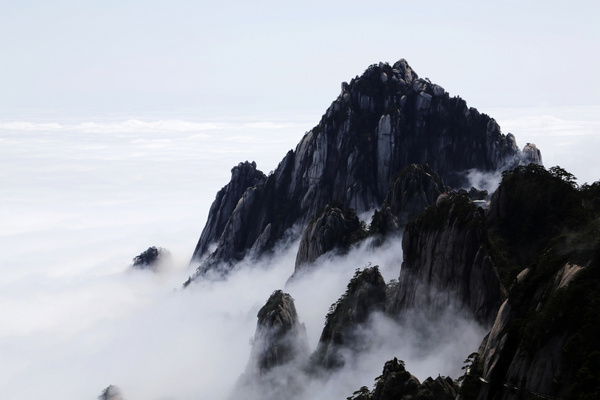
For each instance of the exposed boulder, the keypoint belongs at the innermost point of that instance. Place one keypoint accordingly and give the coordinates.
(332, 229)
(447, 262)
(369, 133)
(364, 295)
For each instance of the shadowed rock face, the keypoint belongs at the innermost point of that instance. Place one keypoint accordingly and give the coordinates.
(396, 383)
(447, 262)
(279, 353)
(365, 294)
(279, 336)
(112, 392)
(381, 121)
(331, 229)
(412, 190)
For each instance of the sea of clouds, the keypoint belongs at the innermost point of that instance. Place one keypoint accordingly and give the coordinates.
(80, 199)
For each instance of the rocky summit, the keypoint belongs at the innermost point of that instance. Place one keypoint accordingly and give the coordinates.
(381, 122)
(523, 263)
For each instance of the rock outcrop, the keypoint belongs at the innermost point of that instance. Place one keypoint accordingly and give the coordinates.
(279, 353)
(112, 392)
(365, 295)
(332, 229)
(151, 259)
(396, 383)
(530, 207)
(412, 190)
(531, 155)
(381, 121)
(279, 338)
(243, 176)
(447, 262)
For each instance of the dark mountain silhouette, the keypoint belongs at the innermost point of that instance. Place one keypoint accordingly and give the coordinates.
(524, 263)
(381, 122)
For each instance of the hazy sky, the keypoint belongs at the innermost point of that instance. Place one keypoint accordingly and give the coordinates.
(219, 57)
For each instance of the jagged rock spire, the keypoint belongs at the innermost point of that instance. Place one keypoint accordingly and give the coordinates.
(382, 121)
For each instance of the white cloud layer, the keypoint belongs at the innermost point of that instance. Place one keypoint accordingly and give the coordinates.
(80, 199)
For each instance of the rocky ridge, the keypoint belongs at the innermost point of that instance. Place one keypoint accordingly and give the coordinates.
(527, 267)
(381, 121)
(447, 260)
(396, 383)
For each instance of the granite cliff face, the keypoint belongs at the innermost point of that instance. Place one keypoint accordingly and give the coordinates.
(279, 349)
(112, 392)
(244, 176)
(527, 267)
(279, 337)
(412, 190)
(543, 343)
(381, 121)
(365, 295)
(447, 261)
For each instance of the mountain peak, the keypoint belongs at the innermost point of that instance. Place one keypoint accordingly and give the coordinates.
(381, 122)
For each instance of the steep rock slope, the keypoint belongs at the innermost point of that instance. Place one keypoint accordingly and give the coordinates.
(279, 351)
(412, 190)
(243, 176)
(365, 294)
(381, 121)
(447, 262)
(330, 229)
(544, 341)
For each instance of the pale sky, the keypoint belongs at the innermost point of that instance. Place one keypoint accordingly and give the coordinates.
(223, 57)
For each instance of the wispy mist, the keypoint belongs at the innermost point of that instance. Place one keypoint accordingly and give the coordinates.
(81, 199)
